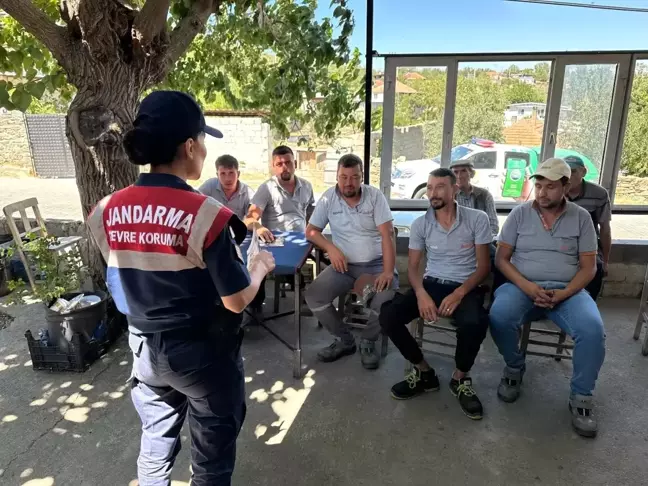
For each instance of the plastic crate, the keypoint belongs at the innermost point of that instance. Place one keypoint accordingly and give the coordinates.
(80, 354)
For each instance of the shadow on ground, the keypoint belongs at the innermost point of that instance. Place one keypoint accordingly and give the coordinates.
(337, 425)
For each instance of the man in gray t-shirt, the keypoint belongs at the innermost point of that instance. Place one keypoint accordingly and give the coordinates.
(456, 240)
(227, 188)
(547, 252)
(284, 202)
(361, 250)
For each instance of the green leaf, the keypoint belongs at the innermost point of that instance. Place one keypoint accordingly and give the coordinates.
(15, 58)
(36, 89)
(21, 99)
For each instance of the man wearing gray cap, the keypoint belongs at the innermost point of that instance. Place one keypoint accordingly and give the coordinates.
(596, 201)
(472, 196)
(547, 251)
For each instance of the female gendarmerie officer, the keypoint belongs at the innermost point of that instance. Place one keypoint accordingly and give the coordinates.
(173, 269)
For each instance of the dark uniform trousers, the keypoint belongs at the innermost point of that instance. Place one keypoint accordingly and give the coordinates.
(470, 318)
(190, 373)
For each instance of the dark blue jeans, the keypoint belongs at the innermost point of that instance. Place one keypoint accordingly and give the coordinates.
(192, 374)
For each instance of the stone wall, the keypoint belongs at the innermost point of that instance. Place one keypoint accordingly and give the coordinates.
(15, 156)
(248, 139)
(631, 190)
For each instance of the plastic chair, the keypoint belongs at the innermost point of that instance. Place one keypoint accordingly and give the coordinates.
(19, 238)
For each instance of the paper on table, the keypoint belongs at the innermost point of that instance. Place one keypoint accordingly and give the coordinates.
(278, 241)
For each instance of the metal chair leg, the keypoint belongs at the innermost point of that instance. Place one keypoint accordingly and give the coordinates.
(384, 346)
(560, 348)
(524, 340)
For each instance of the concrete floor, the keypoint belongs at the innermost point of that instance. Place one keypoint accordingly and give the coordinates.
(337, 426)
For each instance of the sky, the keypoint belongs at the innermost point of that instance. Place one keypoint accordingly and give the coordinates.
(491, 26)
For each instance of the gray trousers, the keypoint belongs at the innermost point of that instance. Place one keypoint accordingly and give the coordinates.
(330, 284)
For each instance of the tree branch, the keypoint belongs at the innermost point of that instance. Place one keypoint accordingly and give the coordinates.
(38, 24)
(151, 20)
(192, 24)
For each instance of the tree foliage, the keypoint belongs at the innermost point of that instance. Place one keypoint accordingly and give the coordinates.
(278, 58)
(635, 147)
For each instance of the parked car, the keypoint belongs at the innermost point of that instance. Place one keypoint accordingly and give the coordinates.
(409, 179)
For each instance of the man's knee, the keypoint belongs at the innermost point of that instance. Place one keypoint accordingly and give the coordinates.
(589, 328)
(508, 307)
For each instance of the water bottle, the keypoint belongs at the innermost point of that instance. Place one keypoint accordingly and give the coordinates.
(368, 293)
(43, 337)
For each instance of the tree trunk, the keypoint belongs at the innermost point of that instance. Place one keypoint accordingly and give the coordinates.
(96, 124)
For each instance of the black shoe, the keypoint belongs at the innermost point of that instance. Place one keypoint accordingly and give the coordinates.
(470, 404)
(415, 383)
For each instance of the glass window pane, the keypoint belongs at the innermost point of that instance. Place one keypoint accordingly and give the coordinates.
(632, 182)
(418, 127)
(499, 121)
(585, 107)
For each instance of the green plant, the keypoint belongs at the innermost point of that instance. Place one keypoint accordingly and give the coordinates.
(57, 273)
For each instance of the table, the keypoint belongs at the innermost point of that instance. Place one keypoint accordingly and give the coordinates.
(289, 260)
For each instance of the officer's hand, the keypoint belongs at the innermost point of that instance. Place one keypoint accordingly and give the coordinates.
(427, 308)
(265, 234)
(263, 262)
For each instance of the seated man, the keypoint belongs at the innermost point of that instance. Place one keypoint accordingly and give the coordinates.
(361, 243)
(283, 203)
(472, 196)
(226, 187)
(596, 201)
(547, 251)
(456, 240)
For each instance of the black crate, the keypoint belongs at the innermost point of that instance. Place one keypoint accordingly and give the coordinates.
(80, 353)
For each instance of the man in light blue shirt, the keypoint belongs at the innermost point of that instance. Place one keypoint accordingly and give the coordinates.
(227, 188)
(361, 245)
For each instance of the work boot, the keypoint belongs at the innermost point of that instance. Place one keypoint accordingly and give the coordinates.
(336, 350)
(368, 355)
(470, 404)
(582, 412)
(416, 383)
(509, 387)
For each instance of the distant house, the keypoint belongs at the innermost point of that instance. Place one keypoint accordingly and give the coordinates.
(518, 111)
(413, 75)
(526, 132)
(378, 92)
(524, 78)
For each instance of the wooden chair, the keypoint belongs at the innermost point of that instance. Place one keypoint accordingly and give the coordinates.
(64, 244)
(562, 348)
(642, 318)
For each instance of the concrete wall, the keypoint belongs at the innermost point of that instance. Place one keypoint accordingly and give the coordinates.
(15, 156)
(625, 279)
(246, 138)
(409, 142)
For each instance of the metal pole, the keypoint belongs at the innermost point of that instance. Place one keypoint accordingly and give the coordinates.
(368, 85)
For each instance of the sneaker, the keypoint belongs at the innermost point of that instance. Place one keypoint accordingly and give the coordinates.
(368, 355)
(509, 387)
(416, 383)
(470, 404)
(335, 351)
(583, 419)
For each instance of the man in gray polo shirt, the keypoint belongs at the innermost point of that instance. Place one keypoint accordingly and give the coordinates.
(472, 196)
(547, 251)
(596, 200)
(226, 187)
(456, 240)
(361, 245)
(284, 202)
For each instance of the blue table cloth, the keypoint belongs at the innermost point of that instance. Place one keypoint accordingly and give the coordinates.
(288, 258)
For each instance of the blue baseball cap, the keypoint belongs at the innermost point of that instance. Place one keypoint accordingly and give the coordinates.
(573, 161)
(173, 115)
